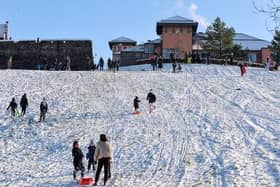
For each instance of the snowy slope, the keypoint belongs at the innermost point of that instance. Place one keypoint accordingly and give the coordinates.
(204, 132)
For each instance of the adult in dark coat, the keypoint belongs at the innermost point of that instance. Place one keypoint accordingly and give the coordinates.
(151, 99)
(77, 160)
(43, 110)
(101, 64)
(136, 102)
(23, 104)
(13, 106)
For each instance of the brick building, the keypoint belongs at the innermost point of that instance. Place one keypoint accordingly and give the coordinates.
(179, 36)
(119, 44)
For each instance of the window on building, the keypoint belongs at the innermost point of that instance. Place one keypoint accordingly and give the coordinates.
(181, 30)
(252, 57)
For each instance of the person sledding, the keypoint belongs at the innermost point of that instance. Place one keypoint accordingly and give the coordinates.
(90, 155)
(136, 102)
(77, 160)
(23, 104)
(13, 107)
(151, 99)
(104, 155)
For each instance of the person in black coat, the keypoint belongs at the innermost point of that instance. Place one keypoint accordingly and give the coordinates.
(90, 155)
(77, 160)
(151, 99)
(23, 104)
(13, 106)
(136, 102)
(43, 110)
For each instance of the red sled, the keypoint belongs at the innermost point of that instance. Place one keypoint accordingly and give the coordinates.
(136, 112)
(86, 182)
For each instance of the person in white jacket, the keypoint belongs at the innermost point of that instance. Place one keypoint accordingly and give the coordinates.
(103, 154)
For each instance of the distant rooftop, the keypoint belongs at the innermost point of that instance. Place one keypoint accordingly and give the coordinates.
(178, 20)
(121, 40)
(156, 41)
(244, 40)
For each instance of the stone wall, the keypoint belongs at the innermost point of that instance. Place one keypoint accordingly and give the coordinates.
(46, 54)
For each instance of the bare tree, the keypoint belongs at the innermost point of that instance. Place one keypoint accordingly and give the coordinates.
(272, 11)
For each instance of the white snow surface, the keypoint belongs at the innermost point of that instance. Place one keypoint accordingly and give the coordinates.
(204, 131)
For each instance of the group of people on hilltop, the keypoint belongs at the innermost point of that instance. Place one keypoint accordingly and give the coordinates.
(100, 154)
(24, 104)
(156, 62)
(113, 65)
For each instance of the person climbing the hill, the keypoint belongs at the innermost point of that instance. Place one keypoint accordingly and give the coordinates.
(104, 155)
(43, 110)
(90, 155)
(242, 69)
(101, 64)
(77, 160)
(151, 99)
(23, 104)
(136, 102)
(13, 106)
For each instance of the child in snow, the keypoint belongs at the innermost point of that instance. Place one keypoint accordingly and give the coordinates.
(90, 155)
(151, 99)
(77, 159)
(13, 106)
(242, 69)
(136, 102)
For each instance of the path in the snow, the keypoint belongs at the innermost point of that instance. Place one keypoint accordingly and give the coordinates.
(211, 127)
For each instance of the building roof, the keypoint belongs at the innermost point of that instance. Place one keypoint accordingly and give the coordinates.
(244, 40)
(138, 48)
(156, 41)
(176, 20)
(122, 39)
(250, 42)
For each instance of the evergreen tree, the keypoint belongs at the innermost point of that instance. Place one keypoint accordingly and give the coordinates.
(219, 37)
(276, 45)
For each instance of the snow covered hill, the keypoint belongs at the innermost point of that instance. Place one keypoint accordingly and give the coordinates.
(211, 127)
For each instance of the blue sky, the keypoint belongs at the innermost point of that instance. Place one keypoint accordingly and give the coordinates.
(104, 20)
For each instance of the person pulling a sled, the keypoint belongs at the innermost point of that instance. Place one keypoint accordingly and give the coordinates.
(104, 155)
(90, 155)
(136, 102)
(43, 110)
(23, 104)
(77, 160)
(151, 99)
(13, 106)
